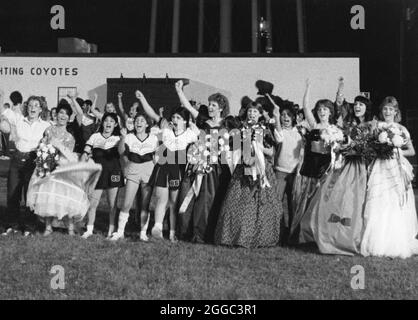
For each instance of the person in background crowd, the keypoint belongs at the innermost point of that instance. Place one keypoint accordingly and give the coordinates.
(8, 114)
(53, 116)
(29, 132)
(86, 122)
(128, 118)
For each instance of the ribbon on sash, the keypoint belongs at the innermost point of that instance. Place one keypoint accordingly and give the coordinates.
(193, 192)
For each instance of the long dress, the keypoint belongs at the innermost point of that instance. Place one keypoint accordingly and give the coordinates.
(250, 215)
(390, 216)
(316, 162)
(202, 194)
(337, 209)
(64, 193)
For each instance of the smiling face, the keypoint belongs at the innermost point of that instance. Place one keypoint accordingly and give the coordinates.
(389, 112)
(323, 114)
(178, 122)
(359, 109)
(253, 115)
(62, 118)
(140, 124)
(214, 110)
(109, 125)
(34, 109)
(286, 119)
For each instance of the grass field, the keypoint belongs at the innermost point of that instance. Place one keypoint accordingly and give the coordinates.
(99, 269)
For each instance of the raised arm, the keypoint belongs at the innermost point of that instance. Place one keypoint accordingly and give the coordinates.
(121, 146)
(184, 101)
(120, 106)
(276, 114)
(147, 108)
(339, 99)
(306, 108)
(76, 107)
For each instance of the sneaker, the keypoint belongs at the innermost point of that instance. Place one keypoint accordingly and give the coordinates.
(4, 157)
(27, 234)
(116, 236)
(9, 231)
(157, 233)
(86, 235)
(173, 239)
(143, 237)
(47, 232)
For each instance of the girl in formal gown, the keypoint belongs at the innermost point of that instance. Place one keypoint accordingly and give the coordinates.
(390, 215)
(64, 192)
(202, 191)
(337, 210)
(251, 212)
(310, 175)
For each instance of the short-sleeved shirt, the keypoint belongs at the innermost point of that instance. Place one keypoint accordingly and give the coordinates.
(140, 150)
(97, 141)
(28, 135)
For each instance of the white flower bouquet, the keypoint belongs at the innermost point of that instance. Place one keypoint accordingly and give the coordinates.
(47, 157)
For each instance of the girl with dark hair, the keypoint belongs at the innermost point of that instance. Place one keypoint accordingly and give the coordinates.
(130, 116)
(63, 192)
(317, 160)
(103, 148)
(138, 148)
(202, 191)
(337, 209)
(171, 163)
(390, 217)
(286, 160)
(250, 214)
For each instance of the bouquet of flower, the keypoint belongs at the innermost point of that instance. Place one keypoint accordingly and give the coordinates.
(387, 137)
(205, 152)
(331, 136)
(358, 146)
(47, 158)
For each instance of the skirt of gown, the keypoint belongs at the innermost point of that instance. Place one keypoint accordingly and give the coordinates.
(196, 222)
(64, 193)
(250, 215)
(337, 210)
(304, 189)
(390, 216)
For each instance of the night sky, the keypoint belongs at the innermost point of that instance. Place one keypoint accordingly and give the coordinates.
(122, 27)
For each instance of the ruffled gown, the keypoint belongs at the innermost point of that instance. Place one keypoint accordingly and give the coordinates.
(64, 193)
(390, 216)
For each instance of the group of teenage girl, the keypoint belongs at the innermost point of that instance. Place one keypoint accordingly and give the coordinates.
(272, 179)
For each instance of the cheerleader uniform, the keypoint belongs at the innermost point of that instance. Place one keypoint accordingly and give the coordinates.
(105, 152)
(140, 154)
(171, 164)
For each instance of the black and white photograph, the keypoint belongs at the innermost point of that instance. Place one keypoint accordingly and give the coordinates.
(225, 151)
